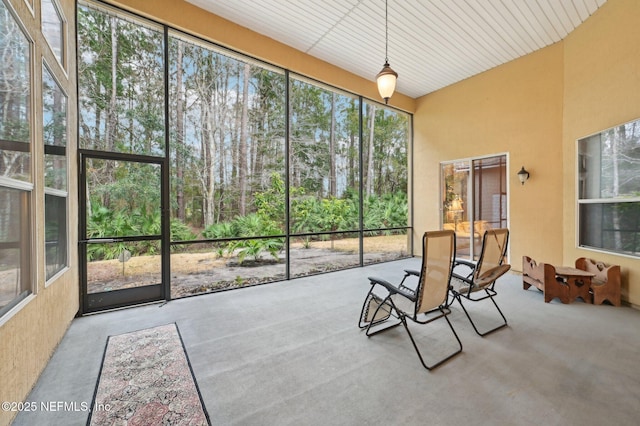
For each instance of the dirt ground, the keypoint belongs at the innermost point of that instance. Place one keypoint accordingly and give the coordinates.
(194, 273)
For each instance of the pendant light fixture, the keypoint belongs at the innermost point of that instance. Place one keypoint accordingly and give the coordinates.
(387, 77)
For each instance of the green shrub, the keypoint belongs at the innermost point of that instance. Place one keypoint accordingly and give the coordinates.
(107, 223)
(180, 231)
(308, 215)
(219, 231)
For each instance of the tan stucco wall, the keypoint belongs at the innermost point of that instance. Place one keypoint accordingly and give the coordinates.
(534, 109)
(185, 16)
(30, 337)
(602, 89)
(30, 333)
(514, 109)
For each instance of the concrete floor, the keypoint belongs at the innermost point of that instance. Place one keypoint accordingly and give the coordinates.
(290, 353)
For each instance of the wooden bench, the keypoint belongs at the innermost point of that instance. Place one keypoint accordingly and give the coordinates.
(543, 277)
(605, 285)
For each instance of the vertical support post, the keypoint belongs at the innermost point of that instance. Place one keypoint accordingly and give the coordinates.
(287, 164)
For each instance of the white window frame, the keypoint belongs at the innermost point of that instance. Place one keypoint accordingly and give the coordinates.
(53, 191)
(613, 200)
(24, 185)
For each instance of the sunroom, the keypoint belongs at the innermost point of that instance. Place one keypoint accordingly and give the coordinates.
(153, 151)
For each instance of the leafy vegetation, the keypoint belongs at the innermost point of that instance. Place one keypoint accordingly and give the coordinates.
(121, 223)
(309, 214)
(235, 130)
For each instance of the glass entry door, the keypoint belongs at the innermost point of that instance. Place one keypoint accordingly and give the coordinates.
(456, 212)
(474, 199)
(121, 231)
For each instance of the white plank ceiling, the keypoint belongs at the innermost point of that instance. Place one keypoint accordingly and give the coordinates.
(432, 43)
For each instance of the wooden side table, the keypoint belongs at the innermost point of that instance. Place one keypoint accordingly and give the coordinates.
(579, 282)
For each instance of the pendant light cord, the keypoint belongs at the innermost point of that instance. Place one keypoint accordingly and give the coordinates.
(386, 31)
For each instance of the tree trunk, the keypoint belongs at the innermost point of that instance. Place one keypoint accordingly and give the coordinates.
(112, 117)
(369, 177)
(352, 152)
(332, 150)
(179, 135)
(208, 155)
(111, 114)
(244, 136)
(223, 158)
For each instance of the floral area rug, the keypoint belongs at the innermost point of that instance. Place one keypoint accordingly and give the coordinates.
(146, 379)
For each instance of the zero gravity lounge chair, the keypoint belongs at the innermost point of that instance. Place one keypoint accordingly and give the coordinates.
(423, 304)
(475, 281)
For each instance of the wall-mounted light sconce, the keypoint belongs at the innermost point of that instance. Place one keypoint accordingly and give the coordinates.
(523, 175)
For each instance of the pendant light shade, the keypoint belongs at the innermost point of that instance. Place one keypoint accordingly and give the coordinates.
(386, 78)
(386, 82)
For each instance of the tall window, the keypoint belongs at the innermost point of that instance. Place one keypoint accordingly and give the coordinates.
(227, 136)
(324, 174)
(121, 84)
(609, 190)
(53, 28)
(227, 156)
(385, 183)
(54, 113)
(15, 161)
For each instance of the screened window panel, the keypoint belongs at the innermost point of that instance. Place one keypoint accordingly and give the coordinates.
(227, 143)
(121, 98)
(324, 163)
(386, 137)
(231, 191)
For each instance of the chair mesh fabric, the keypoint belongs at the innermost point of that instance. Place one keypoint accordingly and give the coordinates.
(372, 313)
(493, 251)
(437, 258)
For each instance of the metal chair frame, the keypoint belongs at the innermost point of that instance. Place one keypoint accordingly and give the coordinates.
(376, 309)
(479, 280)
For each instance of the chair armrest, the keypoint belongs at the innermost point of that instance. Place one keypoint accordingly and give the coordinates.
(460, 288)
(392, 288)
(464, 266)
(466, 279)
(409, 273)
(464, 262)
